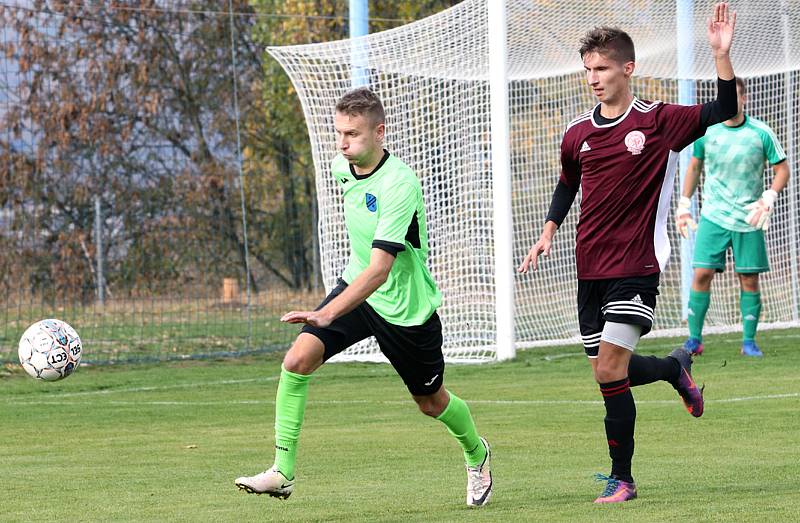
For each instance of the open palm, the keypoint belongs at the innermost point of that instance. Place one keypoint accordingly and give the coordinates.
(720, 28)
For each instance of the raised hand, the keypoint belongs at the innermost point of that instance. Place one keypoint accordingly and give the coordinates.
(720, 28)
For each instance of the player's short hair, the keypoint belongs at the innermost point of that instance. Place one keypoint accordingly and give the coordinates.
(740, 83)
(611, 42)
(362, 101)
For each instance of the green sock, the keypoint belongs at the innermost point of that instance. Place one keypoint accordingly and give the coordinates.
(290, 405)
(750, 303)
(458, 421)
(698, 307)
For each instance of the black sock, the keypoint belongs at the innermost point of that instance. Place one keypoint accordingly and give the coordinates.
(647, 369)
(620, 420)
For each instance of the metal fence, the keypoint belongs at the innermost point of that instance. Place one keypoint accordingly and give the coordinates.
(148, 196)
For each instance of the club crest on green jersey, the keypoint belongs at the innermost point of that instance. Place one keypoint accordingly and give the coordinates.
(372, 202)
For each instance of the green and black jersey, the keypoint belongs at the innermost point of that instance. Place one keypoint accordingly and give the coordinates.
(384, 209)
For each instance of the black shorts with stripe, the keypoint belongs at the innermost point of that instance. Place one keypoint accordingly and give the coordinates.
(415, 351)
(621, 300)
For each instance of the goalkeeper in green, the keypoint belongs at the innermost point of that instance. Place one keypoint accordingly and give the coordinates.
(735, 213)
(386, 291)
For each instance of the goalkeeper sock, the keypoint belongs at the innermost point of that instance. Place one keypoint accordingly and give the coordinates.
(750, 303)
(290, 406)
(647, 369)
(459, 423)
(698, 307)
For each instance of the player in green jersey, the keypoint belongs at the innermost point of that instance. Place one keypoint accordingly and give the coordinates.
(386, 291)
(734, 214)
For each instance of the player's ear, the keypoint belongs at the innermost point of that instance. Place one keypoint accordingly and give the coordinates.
(628, 67)
(380, 131)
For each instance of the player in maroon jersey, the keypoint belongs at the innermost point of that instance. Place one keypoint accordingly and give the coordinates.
(623, 154)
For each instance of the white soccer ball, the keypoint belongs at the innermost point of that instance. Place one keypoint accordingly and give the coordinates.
(50, 350)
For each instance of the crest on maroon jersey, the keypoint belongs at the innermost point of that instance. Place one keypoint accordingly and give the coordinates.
(634, 141)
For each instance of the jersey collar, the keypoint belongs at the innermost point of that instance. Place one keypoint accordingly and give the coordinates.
(365, 176)
(744, 121)
(613, 122)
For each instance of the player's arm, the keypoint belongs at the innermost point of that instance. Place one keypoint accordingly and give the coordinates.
(683, 215)
(780, 176)
(681, 121)
(762, 209)
(375, 275)
(397, 211)
(563, 197)
(720, 36)
(692, 176)
(542, 247)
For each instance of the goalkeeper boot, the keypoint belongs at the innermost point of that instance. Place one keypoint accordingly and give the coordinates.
(691, 395)
(749, 348)
(693, 346)
(616, 490)
(271, 482)
(479, 480)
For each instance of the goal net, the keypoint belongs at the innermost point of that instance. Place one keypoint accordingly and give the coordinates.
(432, 76)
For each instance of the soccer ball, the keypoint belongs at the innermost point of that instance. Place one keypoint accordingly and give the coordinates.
(50, 350)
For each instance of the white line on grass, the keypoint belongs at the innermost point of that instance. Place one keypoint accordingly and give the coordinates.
(765, 397)
(101, 392)
(551, 357)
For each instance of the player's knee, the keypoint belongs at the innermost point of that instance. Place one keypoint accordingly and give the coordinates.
(305, 356)
(429, 406)
(295, 363)
(299, 362)
(607, 371)
(601, 375)
(429, 410)
(703, 278)
(749, 282)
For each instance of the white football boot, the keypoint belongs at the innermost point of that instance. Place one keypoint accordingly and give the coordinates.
(479, 480)
(271, 482)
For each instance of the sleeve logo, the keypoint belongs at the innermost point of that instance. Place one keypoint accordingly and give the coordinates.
(634, 141)
(372, 202)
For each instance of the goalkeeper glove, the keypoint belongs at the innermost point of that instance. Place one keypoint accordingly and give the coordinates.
(683, 217)
(761, 210)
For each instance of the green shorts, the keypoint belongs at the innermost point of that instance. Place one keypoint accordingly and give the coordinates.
(712, 242)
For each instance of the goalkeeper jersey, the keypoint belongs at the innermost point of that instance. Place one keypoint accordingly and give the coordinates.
(384, 209)
(734, 159)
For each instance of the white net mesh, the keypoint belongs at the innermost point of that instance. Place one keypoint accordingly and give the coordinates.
(432, 76)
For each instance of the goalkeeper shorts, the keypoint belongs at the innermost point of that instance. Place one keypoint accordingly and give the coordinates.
(415, 351)
(712, 242)
(621, 300)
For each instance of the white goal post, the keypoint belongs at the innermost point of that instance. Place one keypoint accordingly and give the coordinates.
(439, 79)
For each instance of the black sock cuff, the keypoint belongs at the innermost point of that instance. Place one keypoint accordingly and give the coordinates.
(613, 388)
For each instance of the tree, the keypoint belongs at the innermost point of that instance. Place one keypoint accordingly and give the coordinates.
(136, 109)
(133, 103)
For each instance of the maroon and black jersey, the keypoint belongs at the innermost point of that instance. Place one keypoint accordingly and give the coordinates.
(626, 170)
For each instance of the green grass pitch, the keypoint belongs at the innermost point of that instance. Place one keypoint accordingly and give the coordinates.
(165, 442)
